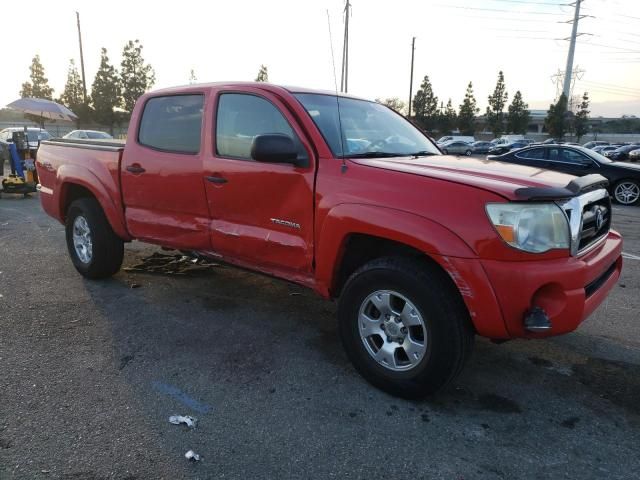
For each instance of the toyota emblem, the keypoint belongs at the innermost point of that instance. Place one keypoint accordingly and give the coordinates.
(599, 219)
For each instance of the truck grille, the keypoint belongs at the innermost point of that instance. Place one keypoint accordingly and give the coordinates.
(596, 221)
(589, 219)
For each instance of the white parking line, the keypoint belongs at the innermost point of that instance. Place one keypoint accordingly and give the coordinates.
(629, 256)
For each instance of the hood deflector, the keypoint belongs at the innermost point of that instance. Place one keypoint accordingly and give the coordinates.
(575, 187)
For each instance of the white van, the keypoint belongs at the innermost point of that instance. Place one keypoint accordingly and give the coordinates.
(457, 138)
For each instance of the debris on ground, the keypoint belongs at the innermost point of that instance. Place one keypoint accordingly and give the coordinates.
(188, 420)
(178, 264)
(191, 455)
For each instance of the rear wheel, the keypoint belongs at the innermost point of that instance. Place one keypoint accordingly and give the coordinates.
(404, 326)
(95, 250)
(445, 151)
(627, 192)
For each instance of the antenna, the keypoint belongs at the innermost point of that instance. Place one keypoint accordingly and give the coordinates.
(344, 167)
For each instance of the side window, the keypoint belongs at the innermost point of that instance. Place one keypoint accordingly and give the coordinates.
(571, 156)
(533, 154)
(172, 123)
(241, 117)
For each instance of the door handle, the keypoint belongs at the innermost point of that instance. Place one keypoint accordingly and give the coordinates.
(216, 180)
(135, 169)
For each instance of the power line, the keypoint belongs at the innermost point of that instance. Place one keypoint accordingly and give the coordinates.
(525, 2)
(497, 10)
(612, 86)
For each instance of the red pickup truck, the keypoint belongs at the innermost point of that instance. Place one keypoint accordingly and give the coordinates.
(421, 250)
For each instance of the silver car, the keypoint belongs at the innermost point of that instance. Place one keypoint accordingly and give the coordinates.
(88, 135)
(457, 147)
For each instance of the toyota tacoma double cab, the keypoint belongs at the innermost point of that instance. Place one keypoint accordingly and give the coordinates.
(422, 251)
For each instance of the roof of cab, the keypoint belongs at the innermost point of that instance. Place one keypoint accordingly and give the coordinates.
(270, 87)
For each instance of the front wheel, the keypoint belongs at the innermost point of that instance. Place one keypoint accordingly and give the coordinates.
(468, 153)
(627, 192)
(404, 326)
(445, 151)
(95, 250)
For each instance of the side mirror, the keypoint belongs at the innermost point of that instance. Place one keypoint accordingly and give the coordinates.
(274, 148)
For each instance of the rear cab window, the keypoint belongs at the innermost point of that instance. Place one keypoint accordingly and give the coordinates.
(172, 123)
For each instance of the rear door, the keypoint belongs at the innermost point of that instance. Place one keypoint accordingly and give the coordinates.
(262, 213)
(533, 157)
(162, 185)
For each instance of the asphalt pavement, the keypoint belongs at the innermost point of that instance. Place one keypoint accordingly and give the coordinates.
(91, 371)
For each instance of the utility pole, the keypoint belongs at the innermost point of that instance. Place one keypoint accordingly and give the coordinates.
(84, 81)
(344, 78)
(568, 73)
(413, 51)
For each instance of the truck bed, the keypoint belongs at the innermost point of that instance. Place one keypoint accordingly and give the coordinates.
(100, 144)
(92, 164)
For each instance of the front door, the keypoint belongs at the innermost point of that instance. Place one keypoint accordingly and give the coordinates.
(261, 213)
(162, 186)
(570, 161)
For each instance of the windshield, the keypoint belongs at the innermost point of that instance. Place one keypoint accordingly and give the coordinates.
(368, 128)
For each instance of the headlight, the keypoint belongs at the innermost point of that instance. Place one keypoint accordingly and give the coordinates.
(532, 227)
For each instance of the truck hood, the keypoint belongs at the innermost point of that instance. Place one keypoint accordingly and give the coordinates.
(497, 177)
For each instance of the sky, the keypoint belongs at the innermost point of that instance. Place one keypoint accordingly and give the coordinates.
(457, 41)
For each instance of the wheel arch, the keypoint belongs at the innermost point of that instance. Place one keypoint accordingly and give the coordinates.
(76, 182)
(354, 234)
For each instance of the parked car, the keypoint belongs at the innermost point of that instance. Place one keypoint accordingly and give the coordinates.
(601, 149)
(500, 149)
(634, 155)
(88, 135)
(481, 147)
(621, 154)
(595, 143)
(574, 144)
(451, 138)
(624, 178)
(550, 141)
(422, 251)
(457, 147)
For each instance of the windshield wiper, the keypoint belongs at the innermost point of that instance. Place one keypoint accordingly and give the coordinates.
(373, 155)
(422, 153)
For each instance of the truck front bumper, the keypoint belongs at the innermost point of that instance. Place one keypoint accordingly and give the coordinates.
(568, 290)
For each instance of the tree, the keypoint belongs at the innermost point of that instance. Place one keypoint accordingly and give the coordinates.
(38, 86)
(581, 118)
(518, 117)
(73, 95)
(497, 102)
(556, 121)
(448, 118)
(192, 77)
(468, 111)
(136, 77)
(393, 103)
(425, 105)
(263, 74)
(105, 92)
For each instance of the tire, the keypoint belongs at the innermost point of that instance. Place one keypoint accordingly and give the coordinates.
(468, 153)
(95, 250)
(627, 192)
(445, 151)
(447, 338)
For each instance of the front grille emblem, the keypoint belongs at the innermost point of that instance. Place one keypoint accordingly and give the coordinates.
(599, 219)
